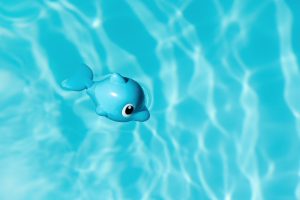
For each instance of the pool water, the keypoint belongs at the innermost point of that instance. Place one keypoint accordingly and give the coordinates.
(223, 88)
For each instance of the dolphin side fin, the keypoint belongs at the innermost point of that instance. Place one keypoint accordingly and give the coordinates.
(100, 111)
(81, 79)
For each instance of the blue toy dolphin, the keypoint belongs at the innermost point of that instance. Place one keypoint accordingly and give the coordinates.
(116, 97)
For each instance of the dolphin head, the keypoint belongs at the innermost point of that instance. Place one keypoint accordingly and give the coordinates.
(122, 99)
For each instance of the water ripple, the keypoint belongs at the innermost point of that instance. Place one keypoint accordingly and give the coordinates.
(223, 80)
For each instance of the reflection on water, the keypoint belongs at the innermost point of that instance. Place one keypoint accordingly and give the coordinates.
(223, 81)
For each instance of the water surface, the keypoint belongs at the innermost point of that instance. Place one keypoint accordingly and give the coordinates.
(223, 86)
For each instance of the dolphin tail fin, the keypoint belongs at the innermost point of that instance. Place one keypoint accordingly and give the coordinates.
(80, 80)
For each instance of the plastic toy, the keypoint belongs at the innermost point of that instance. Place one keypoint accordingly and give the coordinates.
(116, 97)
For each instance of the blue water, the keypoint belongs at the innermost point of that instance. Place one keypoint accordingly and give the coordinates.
(223, 85)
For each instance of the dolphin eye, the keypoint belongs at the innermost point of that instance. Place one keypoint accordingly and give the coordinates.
(127, 110)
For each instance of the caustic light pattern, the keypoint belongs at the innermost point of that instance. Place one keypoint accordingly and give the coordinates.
(223, 79)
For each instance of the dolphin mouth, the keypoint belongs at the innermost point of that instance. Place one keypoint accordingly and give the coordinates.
(142, 115)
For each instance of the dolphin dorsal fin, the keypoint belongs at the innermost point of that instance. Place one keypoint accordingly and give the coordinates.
(117, 78)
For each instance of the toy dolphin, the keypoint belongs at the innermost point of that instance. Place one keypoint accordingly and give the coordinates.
(116, 97)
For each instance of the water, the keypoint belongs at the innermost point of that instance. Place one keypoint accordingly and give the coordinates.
(222, 79)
